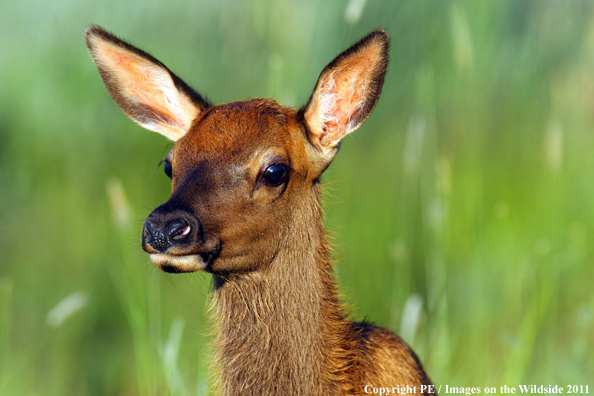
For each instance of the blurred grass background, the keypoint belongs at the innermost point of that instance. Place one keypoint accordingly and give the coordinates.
(462, 212)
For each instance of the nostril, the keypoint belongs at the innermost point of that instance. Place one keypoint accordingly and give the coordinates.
(179, 230)
(172, 232)
(179, 234)
(154, 237)
(149, 230)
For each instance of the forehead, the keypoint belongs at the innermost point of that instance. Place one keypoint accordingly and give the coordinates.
(239, 127)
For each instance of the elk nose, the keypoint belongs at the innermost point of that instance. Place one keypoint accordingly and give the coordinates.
(161, 235)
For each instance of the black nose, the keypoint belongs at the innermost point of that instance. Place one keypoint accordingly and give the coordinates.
(162, 231)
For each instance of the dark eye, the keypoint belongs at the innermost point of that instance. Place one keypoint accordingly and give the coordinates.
(276, 174)
(167, 167)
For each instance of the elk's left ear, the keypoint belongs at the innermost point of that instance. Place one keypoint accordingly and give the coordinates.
(346, 92)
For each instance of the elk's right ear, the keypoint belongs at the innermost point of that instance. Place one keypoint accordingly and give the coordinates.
(148, 92)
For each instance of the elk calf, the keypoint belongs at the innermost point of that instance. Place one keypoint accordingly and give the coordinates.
(246, 208)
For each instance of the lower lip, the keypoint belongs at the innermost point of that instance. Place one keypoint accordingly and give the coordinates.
(177, 264)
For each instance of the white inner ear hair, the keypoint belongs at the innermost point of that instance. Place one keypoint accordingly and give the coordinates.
(161, 91)
(352, 96)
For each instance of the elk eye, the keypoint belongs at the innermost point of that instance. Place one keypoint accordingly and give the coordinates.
(167, 167)
(276, 174)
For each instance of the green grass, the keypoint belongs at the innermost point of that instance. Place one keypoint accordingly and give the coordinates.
(470, 187)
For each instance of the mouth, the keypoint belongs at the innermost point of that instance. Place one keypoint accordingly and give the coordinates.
(176, 264)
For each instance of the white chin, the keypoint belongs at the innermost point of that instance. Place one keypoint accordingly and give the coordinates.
(170, 263)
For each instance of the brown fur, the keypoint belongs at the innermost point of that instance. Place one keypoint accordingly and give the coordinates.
(280, 328)
(287, 334)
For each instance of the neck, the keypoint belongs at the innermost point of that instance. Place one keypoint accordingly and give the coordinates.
(281, 330)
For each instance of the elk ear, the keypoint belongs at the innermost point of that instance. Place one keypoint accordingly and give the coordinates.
(346, 92)
(143, 87)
